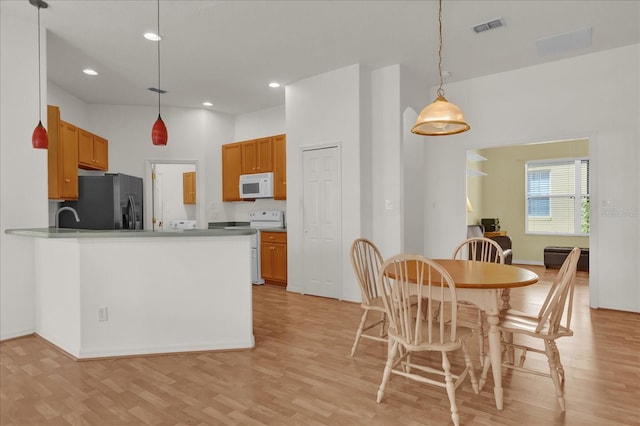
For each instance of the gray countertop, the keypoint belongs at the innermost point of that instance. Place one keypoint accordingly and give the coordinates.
(273, 229)
(88, 233)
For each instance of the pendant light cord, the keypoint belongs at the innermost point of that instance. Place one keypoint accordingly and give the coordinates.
(159, 58)
(440, 91)
(39, 77)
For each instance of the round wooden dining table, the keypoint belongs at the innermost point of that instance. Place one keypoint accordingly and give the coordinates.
(481, 283)
(473, 274)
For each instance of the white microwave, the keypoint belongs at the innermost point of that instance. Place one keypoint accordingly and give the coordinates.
(258, 185)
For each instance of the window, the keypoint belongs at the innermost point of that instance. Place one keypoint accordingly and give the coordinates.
(558, 197)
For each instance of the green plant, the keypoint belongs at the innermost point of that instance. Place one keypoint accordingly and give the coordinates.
(585, 215)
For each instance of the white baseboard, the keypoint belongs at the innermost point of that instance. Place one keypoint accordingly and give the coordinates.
(527, 262)
(15, 334)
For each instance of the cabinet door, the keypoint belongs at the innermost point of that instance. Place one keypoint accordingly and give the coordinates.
(273, 256)
(279, 167)
(189, 188)
(264, 147)
(279, 271)
(68, 172)
(101, 152)
(266, 261)
(93, 151)
(53, 152)
(231, 171)
(257, 156)
(249, 157)
(85, 148)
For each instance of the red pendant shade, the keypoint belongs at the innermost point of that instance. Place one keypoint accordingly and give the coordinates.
(39, 139)
(159, 134)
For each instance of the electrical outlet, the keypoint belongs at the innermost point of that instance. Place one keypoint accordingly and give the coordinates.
(103, 314)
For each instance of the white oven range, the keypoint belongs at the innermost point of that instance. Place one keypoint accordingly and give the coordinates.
(262, 219)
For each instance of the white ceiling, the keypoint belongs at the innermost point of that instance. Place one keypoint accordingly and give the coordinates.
(228, 51)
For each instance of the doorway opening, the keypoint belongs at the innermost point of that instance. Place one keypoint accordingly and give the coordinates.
(503, 189)
(172, 191)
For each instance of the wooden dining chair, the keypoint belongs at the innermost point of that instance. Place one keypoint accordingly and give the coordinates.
(401, 279)
(478, 249)
(366, 261)
(552, 322)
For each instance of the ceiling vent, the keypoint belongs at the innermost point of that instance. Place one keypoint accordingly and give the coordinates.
(566, 42)
(156, 90)
(491, 25)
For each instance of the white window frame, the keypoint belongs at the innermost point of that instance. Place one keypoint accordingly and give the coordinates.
(576, 195)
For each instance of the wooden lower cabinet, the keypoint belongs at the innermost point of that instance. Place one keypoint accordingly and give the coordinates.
(273, 257)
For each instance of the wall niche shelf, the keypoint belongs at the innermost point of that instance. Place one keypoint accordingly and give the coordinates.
(476, 158)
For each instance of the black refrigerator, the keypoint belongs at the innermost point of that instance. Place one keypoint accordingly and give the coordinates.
(110, 201)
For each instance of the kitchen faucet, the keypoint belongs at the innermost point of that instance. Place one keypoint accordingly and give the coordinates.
(61, 209)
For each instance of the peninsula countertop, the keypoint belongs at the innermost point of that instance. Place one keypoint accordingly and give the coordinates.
(113, 293)
(123, 233)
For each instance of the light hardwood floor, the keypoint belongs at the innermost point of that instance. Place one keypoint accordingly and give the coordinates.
(300, 373)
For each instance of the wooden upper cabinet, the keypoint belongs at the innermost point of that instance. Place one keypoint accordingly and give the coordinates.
(257, 156)
(231, 171)
(101, 152)
(63, 160)
(279, 167)
(189, 187)
(93, 151)
(62, 157)
(254, 156)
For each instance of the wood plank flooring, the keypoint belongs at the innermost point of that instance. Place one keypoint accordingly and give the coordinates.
(300, 373)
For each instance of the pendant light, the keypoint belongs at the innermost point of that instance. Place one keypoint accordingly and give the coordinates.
(440, 118)
(39, 139)
(159, 134)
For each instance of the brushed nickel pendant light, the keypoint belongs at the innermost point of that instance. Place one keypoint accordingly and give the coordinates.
(159, 135)
(440, 118)
(39, 139)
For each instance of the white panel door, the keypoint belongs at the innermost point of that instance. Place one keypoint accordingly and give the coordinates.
(321, 194)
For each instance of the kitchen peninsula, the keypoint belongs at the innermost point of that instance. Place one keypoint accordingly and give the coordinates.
(121, 293)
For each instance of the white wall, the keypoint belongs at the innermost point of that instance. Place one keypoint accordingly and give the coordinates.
(194, 135)
(412, 185)
(73, 110)
(266, 122)
(386, 161)
(572, 98)
(325, 109)
(23, 170)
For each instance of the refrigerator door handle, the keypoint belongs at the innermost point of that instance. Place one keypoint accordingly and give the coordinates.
(132, 219)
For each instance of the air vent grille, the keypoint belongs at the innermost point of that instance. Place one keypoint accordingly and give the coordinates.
(486, 26)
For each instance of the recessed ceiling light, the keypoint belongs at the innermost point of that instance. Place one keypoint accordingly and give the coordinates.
(274, 84)
(89, 71)
(152, 36)
(207, 104)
